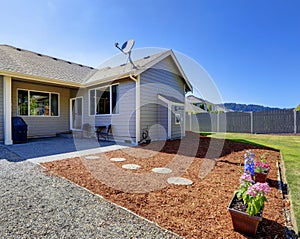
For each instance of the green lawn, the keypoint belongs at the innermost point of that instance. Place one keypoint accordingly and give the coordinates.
(290, 149)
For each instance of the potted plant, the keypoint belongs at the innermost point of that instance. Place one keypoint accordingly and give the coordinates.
(246, 205)
(261, 169)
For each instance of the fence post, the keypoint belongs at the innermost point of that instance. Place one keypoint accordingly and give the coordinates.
(295, 121)
(190, 114)
(218, 122)
(251, 122)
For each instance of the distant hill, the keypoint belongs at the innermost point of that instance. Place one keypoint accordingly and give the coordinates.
(247, 108)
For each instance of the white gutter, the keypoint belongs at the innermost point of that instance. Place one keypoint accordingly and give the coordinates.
(137, 107)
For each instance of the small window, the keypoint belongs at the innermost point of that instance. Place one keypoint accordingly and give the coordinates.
(54, 104)
(34, 103)
(104, 100)
(177, 118)
(22, 102)
(115, 99)
(92, 102)
(39, 103)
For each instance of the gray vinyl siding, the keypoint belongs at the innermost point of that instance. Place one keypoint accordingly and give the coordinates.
(177, 129)
(1, 110)
(162, 126)
(41, 126)
(161, 79)
(123, 123)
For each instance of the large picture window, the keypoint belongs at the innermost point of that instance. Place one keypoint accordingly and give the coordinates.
(104, 100)
(35, 103)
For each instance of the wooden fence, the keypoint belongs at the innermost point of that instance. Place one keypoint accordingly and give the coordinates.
(265, 122)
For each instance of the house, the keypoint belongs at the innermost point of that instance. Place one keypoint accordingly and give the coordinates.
(53, 95)
(193, 109)
(204, 105)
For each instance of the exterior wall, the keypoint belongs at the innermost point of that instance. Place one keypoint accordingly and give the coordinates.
(41, 126)
(162, 120)
(123, 124)
(1, 110)
(161, 79)
(177, 129)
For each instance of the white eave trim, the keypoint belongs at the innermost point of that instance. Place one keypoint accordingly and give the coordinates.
(39, 79)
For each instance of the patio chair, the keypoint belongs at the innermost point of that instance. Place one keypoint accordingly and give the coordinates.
(103, 132)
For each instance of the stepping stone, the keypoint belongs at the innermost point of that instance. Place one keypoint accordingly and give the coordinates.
(131, 166)
(162, 170)
(179, 181)
(92, 157)
(118, 159)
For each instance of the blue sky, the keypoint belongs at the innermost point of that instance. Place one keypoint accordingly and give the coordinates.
(250, 48)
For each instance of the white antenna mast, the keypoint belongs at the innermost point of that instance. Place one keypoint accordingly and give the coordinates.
(126, 49)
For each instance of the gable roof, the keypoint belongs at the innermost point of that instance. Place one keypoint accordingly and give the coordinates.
(121, 71)
(190, 108)
(143, 64)
(23, 63)
(27, 63)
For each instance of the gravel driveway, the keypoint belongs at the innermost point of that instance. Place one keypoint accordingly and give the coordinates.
(34, 205)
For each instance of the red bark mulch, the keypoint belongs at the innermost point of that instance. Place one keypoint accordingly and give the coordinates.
(196, 211)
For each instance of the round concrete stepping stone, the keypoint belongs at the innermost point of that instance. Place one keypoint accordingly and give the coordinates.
(131, 166)
(179, 181)
(118, 159)
(162, 170)
(92, 157)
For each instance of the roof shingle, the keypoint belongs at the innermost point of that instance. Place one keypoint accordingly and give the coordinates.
(25, 62)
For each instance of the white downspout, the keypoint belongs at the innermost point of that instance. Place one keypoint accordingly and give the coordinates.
(7, 110)
(137, 107)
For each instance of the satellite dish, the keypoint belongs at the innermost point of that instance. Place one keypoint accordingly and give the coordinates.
(126, 49)
(127, 46)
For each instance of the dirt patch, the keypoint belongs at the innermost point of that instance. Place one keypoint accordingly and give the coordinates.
(196, 211)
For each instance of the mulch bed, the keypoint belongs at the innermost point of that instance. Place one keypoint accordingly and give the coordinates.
(196, 211)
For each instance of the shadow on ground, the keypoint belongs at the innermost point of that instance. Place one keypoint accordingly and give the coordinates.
(195, 145)
(48, 146)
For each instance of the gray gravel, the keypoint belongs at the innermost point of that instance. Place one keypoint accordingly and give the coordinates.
(34, 205)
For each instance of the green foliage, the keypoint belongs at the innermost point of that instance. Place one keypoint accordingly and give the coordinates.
(202, 106)
(209, 108)
(298, 108)
(255, 204)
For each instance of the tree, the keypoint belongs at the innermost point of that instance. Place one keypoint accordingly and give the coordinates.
(298, 108)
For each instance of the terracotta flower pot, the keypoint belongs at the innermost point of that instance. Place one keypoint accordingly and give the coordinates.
(260, 177)
(241, 221)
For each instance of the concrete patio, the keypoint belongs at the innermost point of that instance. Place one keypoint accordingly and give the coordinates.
(49, 147)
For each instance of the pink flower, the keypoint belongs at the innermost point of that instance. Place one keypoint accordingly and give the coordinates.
(257, 164)
(265, 165)
(258, 189)
(246, 178)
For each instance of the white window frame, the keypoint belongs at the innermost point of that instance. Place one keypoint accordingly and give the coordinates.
(28, 92)
(95, 102)
(176, 117)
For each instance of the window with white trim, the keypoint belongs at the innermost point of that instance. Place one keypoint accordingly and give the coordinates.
(37, 103)
(177, 118)
(104, 100)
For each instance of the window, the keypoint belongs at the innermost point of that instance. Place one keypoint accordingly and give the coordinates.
(177, 118)
(104, 100)
(34, 103)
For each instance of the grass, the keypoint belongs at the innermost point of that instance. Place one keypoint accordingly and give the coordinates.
(290, 149)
